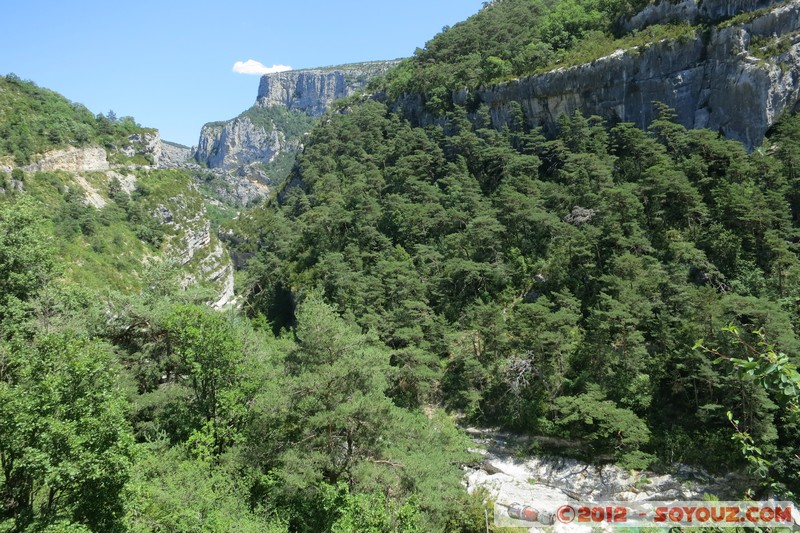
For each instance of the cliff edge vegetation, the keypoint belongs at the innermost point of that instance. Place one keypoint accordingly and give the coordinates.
(34, 120)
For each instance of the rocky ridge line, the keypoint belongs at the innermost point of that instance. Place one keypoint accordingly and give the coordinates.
(238, 147)
(725, 79)
(312, 91)
(717, 83)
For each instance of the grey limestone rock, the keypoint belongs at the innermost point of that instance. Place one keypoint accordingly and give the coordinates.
(547, 482)
(195, 247)
(314, 90)
(71, 159)
(173, 155)
(692, 11)
(711, 81)
(237, 143)
(238, 146)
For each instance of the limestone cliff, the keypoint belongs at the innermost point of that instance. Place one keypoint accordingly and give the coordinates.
(239, 142)
(172, 198)
(173, 155)
(692, 11)
(194, 246)
(314, 90)
(730, 79)
(71, 159)
(149, 147)
(254, 149)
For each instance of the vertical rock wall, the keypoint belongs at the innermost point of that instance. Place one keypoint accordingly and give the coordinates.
(712, 81)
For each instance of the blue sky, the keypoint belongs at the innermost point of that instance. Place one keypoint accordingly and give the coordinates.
(169, 64)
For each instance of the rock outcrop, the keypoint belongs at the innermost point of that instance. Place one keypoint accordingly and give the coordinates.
(71, 159)
(546, 483)
(92, 195)
(147, 145)
(692, 11)
(720, 80)
(195, 247)
(312, 91)
(161, 153)
(237, 143)
(241, 146)
(173, 155)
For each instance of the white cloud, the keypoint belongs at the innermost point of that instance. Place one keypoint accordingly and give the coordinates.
(252, 66)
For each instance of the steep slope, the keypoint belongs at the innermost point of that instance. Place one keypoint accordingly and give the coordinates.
(112, 210)
(738, 78)
(556, 284)
(255, 150)
(725, 66)
(312, 91)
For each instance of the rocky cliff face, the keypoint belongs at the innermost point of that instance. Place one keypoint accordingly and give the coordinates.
(240, 147)
(190, 241)
(313, 91)
(71, 159)
(721, 80)
(173, 155)
(236, 143)
(693, 11)
(197, 249)
(160, 153)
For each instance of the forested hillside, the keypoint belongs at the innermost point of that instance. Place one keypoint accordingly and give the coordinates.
(128, 404)
(532, 283)
(34, 120)
(512, 38)
(553, 286)
(620, 295)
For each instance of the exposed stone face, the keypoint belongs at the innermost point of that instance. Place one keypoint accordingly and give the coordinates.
(548, 482)
(692, 11)
(71, 159)
(217, 267)
(314, 90)
(237, 143)
(237, 146)
(148, 145)
(234, 149)
(195, 247)
(715, 84)
(91, 194)
(172, 155)
(714, 10)
(309, 91)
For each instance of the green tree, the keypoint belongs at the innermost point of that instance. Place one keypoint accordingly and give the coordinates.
(211, 356)
(327, 420)
(65, 445)
(777, 374)
(26, 257)
(607, 429)
(172, 490)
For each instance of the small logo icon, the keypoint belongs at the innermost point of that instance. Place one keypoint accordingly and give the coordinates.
(565, 514)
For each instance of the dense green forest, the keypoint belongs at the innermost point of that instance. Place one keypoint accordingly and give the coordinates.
(553, 286)
(537, 283)
(147, 411)
(127, 404)
(615, 289)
